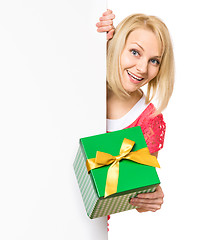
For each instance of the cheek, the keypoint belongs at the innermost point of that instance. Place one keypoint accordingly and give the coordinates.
(125, 62)
(153, 72)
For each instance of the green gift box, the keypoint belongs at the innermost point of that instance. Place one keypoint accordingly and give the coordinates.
(134, 178)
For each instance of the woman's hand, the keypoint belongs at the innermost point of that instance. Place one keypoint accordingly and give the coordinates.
(148, 201)
(106, 24)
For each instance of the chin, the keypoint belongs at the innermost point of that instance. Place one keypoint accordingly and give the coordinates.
(131, 90)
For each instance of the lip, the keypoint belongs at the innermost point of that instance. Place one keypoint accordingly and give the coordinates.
(133, 77)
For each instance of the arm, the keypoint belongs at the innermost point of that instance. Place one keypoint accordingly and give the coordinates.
(155, 154)
(106, 24)
(154, 132)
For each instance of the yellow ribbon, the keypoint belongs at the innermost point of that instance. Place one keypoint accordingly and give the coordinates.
(142, 156)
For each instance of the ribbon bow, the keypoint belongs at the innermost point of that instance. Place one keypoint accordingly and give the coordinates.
(142, 156)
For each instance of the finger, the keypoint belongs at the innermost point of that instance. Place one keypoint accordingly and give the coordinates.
(157, 194)
(104, 29)
(148, 195)
(107, 12)
(107, 17)
(149, 207)
(141, 210)
(138, 201)
(104, 23)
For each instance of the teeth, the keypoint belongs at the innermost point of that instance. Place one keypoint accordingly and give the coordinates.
(133, 76)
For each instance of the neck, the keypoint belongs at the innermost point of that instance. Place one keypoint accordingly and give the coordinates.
(117, 107)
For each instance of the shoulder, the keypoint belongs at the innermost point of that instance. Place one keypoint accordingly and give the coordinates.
(153, 127)
(149, 116)
(150, 120)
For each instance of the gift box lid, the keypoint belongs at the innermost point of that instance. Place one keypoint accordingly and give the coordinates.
(132, 175)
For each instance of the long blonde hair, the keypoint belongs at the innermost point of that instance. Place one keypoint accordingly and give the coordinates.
(161, 87)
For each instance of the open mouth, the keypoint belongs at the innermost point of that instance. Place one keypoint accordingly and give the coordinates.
(134, 77)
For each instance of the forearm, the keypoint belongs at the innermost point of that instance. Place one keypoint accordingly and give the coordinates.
(155, 154)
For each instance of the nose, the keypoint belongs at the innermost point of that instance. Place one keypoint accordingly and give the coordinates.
(142, 65)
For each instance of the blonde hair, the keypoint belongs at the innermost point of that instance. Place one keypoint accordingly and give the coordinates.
(161, 86)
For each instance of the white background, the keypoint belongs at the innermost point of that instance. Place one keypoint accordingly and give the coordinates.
(182, 159)
(52, 92)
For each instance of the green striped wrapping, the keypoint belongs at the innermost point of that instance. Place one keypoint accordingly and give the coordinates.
(85, 183)
(98, 207)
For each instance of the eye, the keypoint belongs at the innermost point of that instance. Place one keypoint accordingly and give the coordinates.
(134, 52)
(155, 62)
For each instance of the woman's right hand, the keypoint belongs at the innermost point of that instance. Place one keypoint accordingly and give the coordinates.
(106, 24)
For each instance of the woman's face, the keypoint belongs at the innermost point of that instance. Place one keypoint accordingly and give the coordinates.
(140, 59)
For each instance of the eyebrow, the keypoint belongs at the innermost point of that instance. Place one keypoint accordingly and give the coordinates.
(139, 45)
(143, 49)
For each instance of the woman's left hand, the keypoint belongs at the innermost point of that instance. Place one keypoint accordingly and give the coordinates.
(148, 201)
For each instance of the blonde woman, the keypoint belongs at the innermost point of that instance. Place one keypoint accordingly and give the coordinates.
(139, 52)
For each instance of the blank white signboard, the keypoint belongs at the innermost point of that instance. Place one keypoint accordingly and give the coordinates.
(52, 92)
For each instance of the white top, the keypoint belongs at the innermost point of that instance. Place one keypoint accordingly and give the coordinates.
(128, 118)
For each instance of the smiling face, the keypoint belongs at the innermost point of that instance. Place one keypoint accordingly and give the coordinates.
(140, 59)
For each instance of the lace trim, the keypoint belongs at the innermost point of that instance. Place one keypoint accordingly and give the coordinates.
(153, 128)
(108, 218)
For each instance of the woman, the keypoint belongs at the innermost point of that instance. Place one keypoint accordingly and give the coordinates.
(139, 53)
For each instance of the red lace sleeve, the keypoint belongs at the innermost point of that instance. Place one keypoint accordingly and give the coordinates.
(153, 128)
(154, 133)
